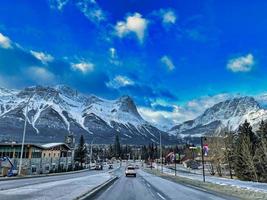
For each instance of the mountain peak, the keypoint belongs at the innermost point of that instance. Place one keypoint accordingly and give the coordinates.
(56, 111)
(226, 114)
(126, 104)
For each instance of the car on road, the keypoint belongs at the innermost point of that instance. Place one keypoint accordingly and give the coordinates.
(130, 171)
(98, 167)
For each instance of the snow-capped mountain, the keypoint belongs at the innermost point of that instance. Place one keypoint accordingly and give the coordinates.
(228, 114)
(54, 112)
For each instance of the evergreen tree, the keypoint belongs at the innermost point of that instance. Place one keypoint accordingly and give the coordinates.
(244, 162)
(80, 153)
(117, 146)
(111, 151)
(261, 152)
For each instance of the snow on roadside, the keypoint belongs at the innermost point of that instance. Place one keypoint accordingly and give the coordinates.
(255, 186)
(68, 189)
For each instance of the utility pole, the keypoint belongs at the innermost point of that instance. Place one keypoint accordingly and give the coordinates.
(24, 133)
(161, 159)
(202, 156)
(175, 161)
(91, 152)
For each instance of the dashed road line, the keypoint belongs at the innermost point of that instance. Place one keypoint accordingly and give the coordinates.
(160, 196)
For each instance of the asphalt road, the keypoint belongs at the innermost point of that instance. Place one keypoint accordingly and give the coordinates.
(65, 187)
(149, 187)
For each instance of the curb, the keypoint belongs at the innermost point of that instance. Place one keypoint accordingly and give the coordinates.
(93, 192)
(48, 175)
(43, 175)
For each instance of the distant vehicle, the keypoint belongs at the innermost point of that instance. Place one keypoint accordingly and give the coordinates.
(110, 167)
(136, 166)
(98, 167)
(130, 171)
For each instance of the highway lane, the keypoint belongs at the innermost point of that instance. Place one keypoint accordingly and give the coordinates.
(149, 187)
(129, 188)
(65, 187)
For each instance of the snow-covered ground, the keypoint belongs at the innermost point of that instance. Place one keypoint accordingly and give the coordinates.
(195, 175)
(67, 189)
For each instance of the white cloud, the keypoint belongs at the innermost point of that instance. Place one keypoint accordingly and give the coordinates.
(58, 4)
(133, 24)
(44, 58)
(241, 64)
(113, 53)
(164, 119)
(91, 10)
(114, 57)
(168, 17)
(41, 75)
(5, 42)
(84, 67)
(167, 62)
(120, 81)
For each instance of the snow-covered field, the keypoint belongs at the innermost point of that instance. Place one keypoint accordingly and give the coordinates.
(255, 186)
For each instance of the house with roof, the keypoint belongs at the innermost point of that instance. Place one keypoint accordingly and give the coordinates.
(39, 158)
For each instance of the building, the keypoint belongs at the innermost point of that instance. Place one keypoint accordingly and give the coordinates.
(39, 158)
(55, 150)
(13, 150)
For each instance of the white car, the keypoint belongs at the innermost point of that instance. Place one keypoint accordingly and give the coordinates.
(130, 171)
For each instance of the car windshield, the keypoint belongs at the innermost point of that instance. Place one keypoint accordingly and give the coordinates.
(130, 168)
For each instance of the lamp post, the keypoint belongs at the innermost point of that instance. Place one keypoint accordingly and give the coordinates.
(161, 158)
(91, 152)
(175, 162)
(202, 156)
(24, 133)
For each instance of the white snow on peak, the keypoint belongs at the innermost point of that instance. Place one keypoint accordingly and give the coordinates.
(69, 104)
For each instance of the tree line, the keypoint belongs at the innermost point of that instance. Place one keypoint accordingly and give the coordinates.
(248, 152)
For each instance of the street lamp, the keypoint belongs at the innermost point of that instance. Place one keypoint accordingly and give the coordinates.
(91, 152)
(161, 159)
(202, 156)
(24, 133)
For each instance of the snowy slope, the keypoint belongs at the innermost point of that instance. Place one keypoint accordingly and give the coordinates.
(227, 114)
(57, 111)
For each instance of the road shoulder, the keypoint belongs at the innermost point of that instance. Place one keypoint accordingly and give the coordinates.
(212, 188)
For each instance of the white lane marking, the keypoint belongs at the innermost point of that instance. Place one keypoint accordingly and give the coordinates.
(148, 185)
(160, 196)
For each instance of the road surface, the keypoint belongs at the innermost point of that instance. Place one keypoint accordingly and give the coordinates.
(149, 187)
(65, 187)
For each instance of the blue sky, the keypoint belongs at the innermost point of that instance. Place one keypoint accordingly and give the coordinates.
(174, 57)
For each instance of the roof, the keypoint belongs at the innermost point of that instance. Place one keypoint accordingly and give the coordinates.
(50, 145)
(55, 144)
(40, 146)
(19, 144)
